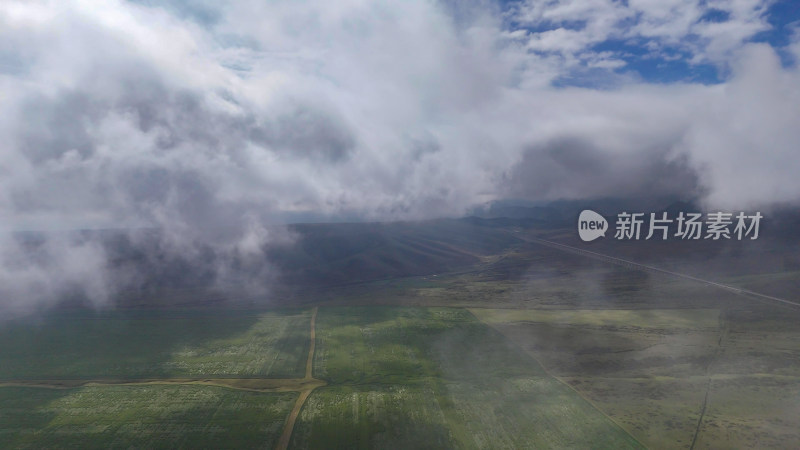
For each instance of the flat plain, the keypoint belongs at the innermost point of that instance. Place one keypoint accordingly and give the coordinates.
(397, 377)
(527, 347)
(714, 379)
(404, 377)
(152, 343)
(141, 417)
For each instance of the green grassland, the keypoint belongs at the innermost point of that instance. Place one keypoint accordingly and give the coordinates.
(141, 417)
(468, 385)
(654, 379)
(662, 412)
(665, 319)
(148, 344)
(752, 412)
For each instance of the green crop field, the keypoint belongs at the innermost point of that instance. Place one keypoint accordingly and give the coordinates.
(141, 417)
(373, 416)
(404, 376)
(141, 344)
(433, 377)
(397, 377)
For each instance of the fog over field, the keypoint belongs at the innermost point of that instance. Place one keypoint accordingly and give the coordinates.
(217, 123)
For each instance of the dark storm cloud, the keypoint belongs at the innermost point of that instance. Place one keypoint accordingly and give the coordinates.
(571, 168)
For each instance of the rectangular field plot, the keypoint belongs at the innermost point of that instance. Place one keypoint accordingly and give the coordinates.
(395, 417)
(141, 417)
(157, 344)
(437, 377)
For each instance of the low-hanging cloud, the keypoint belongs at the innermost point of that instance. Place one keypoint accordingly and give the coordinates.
(214, 122)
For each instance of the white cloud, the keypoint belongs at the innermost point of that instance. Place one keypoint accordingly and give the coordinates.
(709, 31)
(116, 114)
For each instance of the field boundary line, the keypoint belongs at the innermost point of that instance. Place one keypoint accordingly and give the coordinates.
(723, 333)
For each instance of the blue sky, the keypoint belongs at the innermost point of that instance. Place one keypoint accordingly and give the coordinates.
(694, 42)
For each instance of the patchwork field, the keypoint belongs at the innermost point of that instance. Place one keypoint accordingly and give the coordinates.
(141, 417)
(397, 377)
(433, 377)
(403, 377)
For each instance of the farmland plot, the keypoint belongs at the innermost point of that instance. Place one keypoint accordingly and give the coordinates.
(144, 344)
(141, 417)
(397, 368)
(393, 416)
